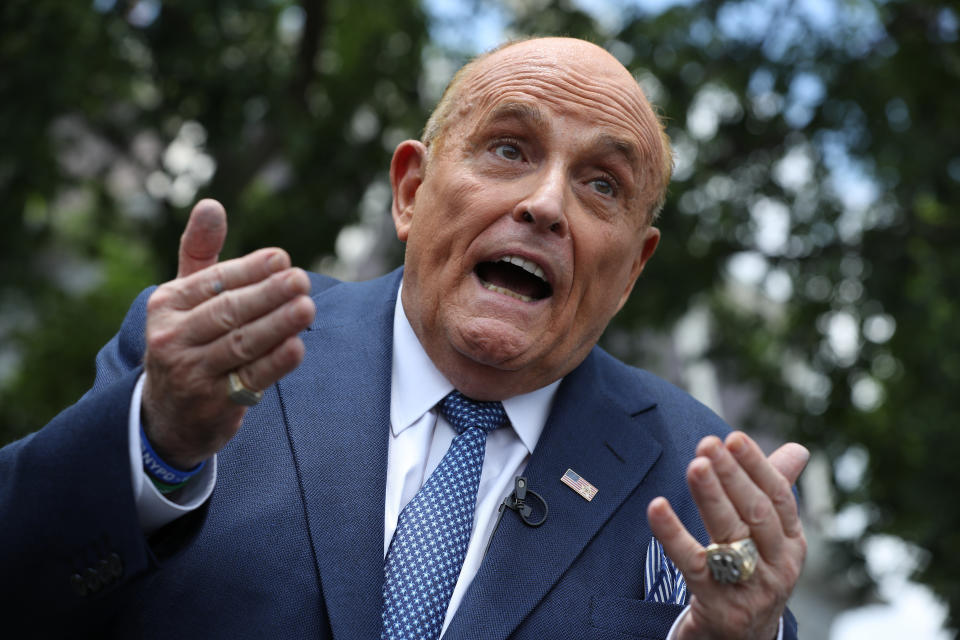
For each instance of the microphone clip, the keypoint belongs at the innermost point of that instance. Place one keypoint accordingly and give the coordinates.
(517, 501)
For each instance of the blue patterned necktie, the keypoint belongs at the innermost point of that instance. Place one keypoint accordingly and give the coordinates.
(433, 531)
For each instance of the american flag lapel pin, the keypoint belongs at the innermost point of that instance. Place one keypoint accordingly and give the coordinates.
(576, 482)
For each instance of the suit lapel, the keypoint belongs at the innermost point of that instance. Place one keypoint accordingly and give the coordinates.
(337, 411)
(591, 431)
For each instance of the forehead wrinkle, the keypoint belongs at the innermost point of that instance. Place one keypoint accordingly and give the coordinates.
(608, 99)
(626, 100)
(593, 81)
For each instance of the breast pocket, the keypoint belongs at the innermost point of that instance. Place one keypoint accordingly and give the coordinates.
(633, 618)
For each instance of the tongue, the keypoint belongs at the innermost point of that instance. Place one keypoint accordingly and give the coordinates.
(512, 277)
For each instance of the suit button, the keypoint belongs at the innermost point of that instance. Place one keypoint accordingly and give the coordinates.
(92, 578)
(116, 565)
(79, 585)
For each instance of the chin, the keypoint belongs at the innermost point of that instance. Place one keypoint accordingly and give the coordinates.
(493, 343)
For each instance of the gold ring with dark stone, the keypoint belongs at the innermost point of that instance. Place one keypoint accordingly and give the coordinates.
(733, 562)
(241, 393)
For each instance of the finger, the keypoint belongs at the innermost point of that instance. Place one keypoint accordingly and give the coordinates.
(256, 339)
(186, 293)
(681, 547)
(768, 478)
(752, 504)
(719, 515)
(202, 238)
(237, 307)
(267, 370)
(790, 460)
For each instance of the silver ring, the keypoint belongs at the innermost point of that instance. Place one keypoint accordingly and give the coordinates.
(241, 393)
(217, 287)
(734, 562)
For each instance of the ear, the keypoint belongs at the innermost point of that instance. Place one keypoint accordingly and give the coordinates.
(406, 175)
(650, 238)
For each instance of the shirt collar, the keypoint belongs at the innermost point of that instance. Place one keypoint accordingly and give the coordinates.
(416, 386)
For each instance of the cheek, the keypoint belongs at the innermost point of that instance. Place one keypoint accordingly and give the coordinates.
(617, 267)
(447, 221)
(471, 196)
(605, 265)
(604, 254)
(453, 209)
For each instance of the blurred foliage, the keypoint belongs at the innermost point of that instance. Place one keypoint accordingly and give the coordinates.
(811, 219)
(117, 116)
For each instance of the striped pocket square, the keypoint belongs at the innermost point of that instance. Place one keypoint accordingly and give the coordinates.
(662, 580)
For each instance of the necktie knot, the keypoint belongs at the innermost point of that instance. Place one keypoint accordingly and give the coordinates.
(462, 413)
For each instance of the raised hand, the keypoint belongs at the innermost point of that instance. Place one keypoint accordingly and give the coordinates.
(215, 318)
(740, 493)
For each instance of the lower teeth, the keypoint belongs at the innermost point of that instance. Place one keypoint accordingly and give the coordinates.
(507, 292)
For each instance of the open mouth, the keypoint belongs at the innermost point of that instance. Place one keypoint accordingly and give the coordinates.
(515, 277)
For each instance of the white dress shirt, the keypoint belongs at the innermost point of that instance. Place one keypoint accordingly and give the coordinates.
(420, 436)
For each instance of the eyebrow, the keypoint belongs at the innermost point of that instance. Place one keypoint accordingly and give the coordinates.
(524, 112)
(625, 148)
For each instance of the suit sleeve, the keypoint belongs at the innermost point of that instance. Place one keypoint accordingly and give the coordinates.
(70, 535)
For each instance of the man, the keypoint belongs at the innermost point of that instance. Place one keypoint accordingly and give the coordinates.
(527, 214)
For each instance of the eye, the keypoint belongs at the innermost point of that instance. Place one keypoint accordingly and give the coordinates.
(507, 151)
(603, 186)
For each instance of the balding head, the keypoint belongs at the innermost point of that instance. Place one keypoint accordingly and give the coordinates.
(556, 56)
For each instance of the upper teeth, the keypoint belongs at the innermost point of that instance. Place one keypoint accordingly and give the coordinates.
(527, 265)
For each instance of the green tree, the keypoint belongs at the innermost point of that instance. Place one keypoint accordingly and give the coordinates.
(118, 116)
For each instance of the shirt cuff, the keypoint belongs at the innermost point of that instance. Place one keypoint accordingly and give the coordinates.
(671, 635)
(154, 510)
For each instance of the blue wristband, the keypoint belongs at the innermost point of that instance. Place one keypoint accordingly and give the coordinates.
(159, 470)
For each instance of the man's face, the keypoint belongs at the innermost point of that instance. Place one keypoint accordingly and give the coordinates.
(527, 226)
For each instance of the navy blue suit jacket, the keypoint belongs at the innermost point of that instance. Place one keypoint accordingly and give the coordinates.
(290, 545)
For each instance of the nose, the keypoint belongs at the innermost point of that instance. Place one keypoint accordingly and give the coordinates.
(544, 205)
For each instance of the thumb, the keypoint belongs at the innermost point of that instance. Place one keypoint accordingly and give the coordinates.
(203, 237)
(790, 459)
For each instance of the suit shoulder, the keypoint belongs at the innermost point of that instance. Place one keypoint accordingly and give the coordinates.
(320, 282)
(339, 302)
(683, 413)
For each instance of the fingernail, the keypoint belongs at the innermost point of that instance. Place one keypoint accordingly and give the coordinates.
(276, 262)
(735, 443)
(286, 283)
(714, 448)
(290, 283)
(700, 468)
